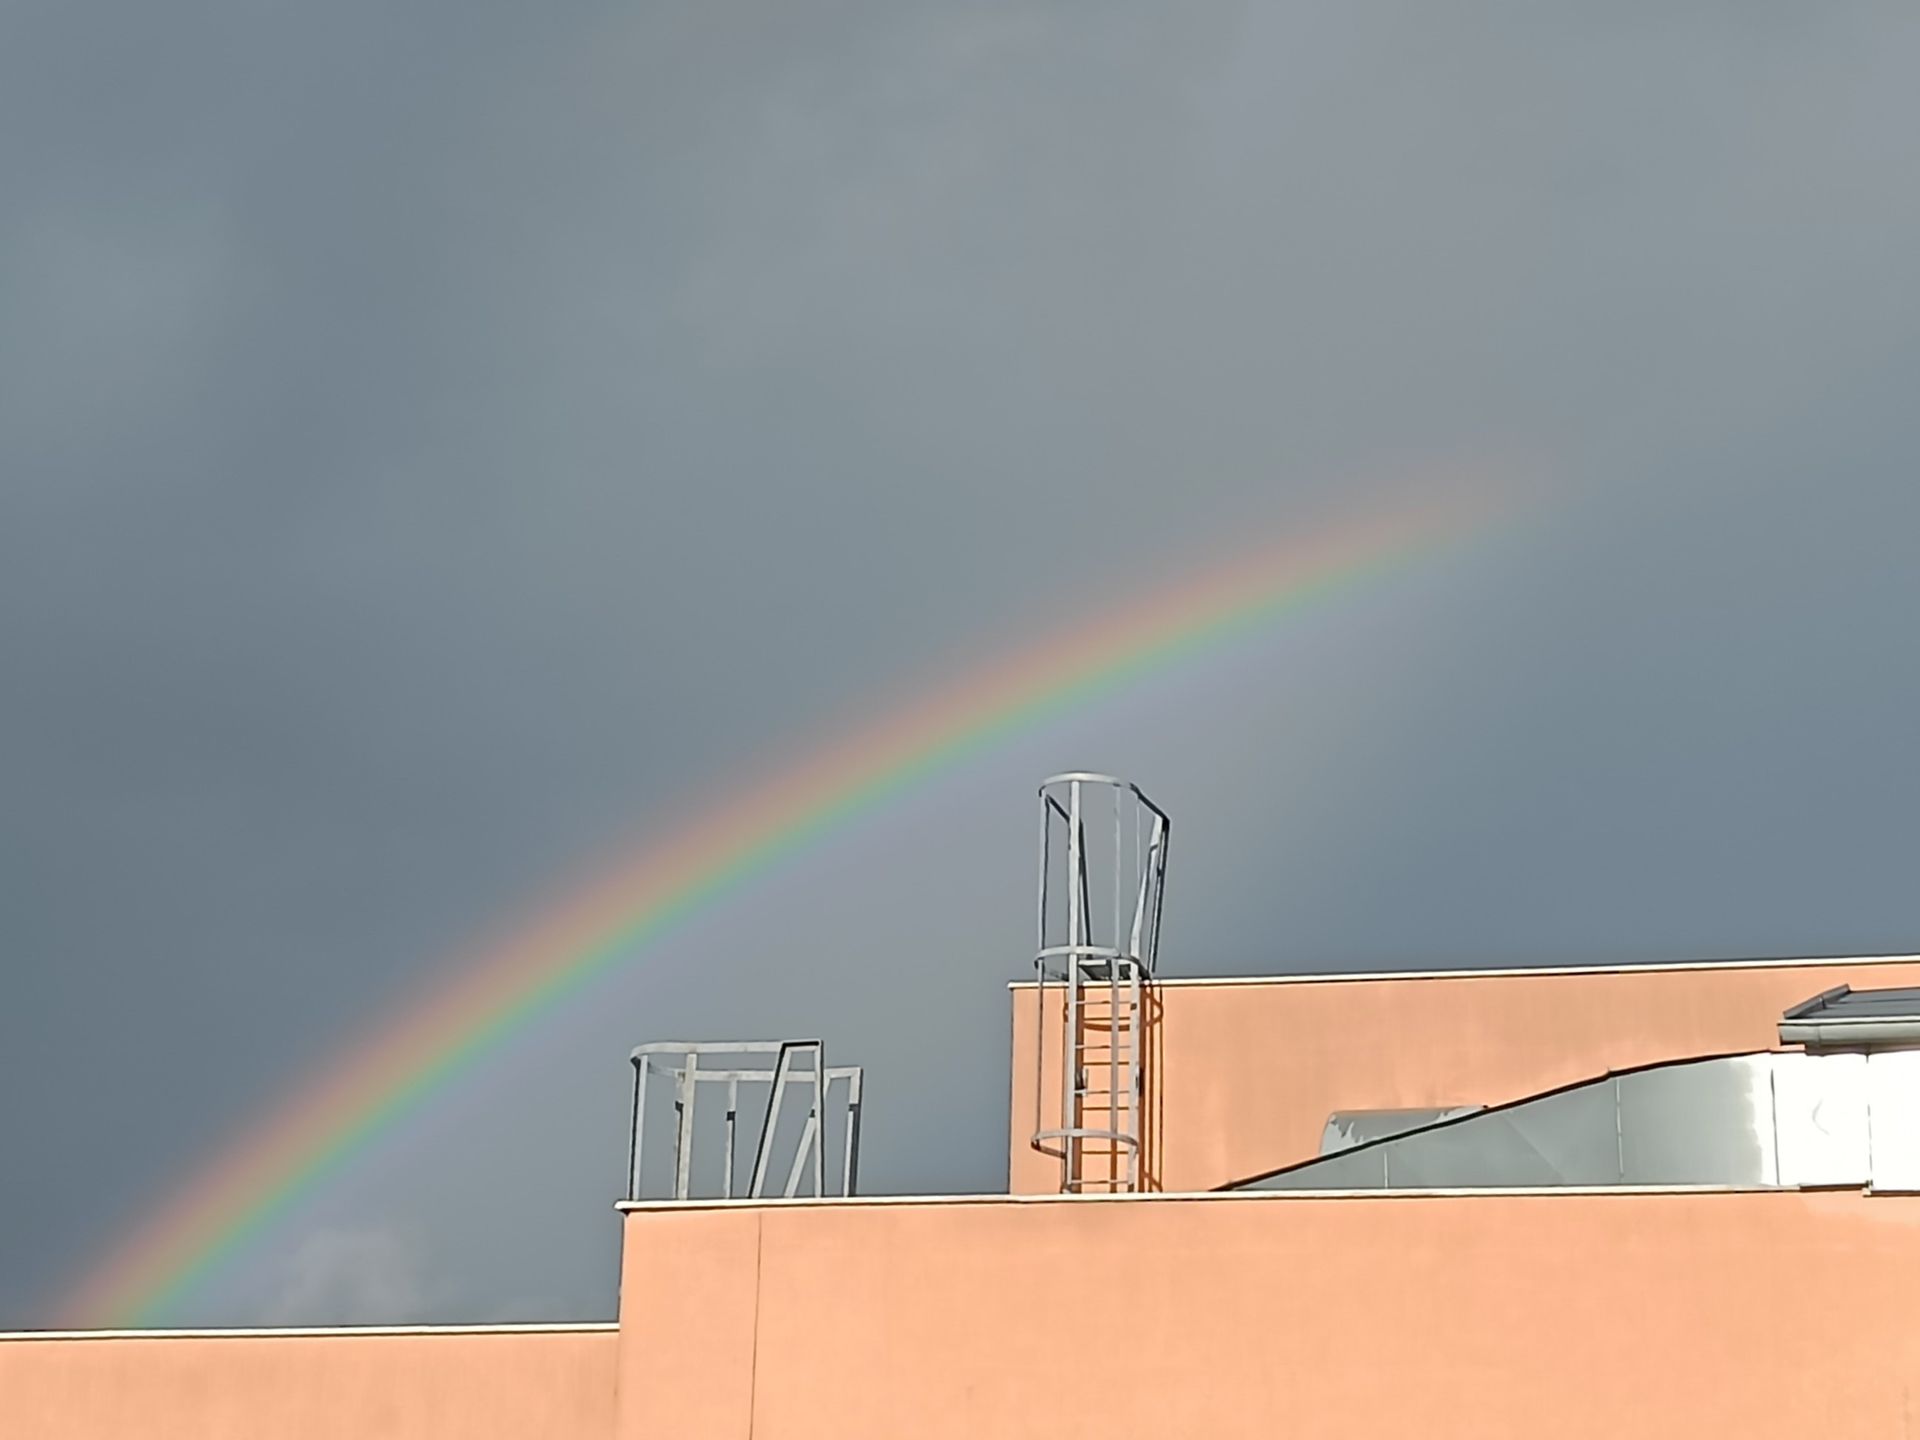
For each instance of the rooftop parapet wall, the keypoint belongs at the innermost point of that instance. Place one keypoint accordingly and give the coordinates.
(430, 1384)
(1572, 1314)
(1242, 1075)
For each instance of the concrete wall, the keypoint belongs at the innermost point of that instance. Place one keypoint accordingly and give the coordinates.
(1563, 1314)
(1243, 1075)
(419, 1385)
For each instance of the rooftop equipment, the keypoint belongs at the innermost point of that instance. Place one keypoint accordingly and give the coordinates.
(1103, 870)
(798, 1080)
(1845, 1111)
(1847, 1019)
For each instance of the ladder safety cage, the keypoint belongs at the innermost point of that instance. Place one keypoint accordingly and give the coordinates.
(1103, 869)
(798, 1074)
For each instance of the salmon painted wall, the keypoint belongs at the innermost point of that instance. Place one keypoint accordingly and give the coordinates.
(422, 1385)
(1242, 1075)
(1566, 1314)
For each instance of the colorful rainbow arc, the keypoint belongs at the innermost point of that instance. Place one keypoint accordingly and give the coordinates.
(322, 1126)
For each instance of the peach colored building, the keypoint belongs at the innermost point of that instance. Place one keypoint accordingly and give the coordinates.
(1747, 1262)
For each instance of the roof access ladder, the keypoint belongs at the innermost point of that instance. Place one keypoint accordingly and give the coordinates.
(1103, 863)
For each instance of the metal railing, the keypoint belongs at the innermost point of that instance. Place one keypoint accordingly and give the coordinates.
(798, 1067)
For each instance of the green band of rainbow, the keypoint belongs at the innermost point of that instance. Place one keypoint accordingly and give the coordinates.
(396, 1069)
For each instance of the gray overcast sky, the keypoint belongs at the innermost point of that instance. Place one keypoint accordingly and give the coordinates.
(441, 443)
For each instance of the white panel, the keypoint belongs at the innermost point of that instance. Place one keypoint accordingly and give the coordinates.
(1893, 1115)
(1820, 1115)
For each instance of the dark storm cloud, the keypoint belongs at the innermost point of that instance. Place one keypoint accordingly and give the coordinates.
(439, 442)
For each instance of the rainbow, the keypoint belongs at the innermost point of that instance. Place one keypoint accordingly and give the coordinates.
(394, 1070)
